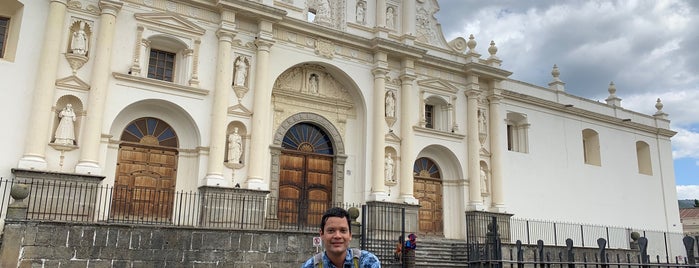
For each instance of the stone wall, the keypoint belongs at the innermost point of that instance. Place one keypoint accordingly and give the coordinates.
(52, 244)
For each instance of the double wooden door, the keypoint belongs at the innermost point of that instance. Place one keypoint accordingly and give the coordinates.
(428, 189)
(145, 184)
(305, 187)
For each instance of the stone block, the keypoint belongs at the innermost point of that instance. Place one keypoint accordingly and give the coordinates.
(87, 252)
(99, 264)
(121, 264)
(246, 241)
(147, 264)
(216, 241)
(123, 238)
(73, 264)
(30, 264)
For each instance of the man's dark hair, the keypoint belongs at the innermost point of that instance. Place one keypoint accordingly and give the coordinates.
(335, 212)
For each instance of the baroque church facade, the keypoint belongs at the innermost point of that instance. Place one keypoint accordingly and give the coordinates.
(347, 101)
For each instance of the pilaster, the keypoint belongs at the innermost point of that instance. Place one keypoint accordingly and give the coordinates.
(496, 148)
(472, 143)
(378, 190)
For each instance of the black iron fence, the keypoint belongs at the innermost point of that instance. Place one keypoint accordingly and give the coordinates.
(89, 202)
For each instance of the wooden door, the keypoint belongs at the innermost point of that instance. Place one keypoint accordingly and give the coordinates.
(145, 184)
(305, 187)
(428, 189)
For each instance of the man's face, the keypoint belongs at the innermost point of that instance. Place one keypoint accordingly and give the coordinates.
(336, 235)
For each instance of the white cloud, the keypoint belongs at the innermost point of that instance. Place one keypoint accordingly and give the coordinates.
(687, 192)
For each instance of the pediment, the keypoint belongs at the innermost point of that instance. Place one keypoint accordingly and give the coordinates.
(392, 137)
(73, 82)
(239, 109)
(439, 85)
(170, 21)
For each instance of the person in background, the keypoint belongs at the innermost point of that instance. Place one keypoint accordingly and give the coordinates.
(398, 254)
(336, 235)
(409, 248)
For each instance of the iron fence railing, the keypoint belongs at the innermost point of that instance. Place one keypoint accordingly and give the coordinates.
(72, 201)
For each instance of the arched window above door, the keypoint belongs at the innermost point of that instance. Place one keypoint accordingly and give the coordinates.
(308, 138)
(426, 168)
(150, 131)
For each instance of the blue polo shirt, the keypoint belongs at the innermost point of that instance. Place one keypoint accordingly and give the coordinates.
(366, 260)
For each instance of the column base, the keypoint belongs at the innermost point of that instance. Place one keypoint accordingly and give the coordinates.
(409, 199)
(214, 180)
(498, 208)
(378, 196)
(256, 184)
(32, 162)
(475, 206)
(88, 167)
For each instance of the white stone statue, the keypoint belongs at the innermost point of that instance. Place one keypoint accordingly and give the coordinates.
(323, 12)
(361, 12)
(390, 18)
(313, 84)
(235, 147)
(484, 181)
(390, 104)
(241, 72)
(388, 168)
(78, 45)
(65, 133)
(482, 124)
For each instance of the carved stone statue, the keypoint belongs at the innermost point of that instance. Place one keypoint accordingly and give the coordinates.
(78, 45)
(388, 168)
(484, 181)
(313, 84)
(235, 147)
(241, 72)
(361, 12)
(322, 12)
(65, 133)
(390, 18)
(390, 104)
(482, 124)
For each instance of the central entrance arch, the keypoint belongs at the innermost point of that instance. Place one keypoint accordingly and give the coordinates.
(306, 175)
(428, 189)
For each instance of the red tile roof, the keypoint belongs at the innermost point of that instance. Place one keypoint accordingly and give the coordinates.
(689, 213)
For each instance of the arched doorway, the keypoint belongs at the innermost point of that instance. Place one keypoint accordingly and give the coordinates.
(428, 189)
(146, 171)
(305, 175)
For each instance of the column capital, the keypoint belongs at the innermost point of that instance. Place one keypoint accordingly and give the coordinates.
(64, 2)
(472, 93)
(110, 7)
(379, 72)
(407, 78)
(225, 35)
(263, 44)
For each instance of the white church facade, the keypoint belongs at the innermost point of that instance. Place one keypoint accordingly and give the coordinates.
(322, 101)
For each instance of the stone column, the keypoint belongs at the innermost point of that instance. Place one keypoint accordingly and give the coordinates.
(496, 124)
(408, 119)
(473, 145)
(101, 70)
(38, 134)
(259, 143)
(378, 191)
(381, 13)
(219, 113)
(409, 15)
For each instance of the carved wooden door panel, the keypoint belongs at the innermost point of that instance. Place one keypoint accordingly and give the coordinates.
(428, 189)
(305, 188)
(145, 184)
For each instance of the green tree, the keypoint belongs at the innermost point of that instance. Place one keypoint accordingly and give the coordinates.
(696, 203)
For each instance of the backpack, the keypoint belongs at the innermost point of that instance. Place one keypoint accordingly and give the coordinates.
(318, 258)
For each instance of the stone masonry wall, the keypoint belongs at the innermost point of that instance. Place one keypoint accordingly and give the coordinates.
(51, 244)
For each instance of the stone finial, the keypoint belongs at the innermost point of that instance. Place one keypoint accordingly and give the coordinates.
(659, 106)
(613, 99)
(556, 83)
(471, 43)
(493, 50)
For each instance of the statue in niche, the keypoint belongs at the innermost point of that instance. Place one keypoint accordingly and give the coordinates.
(78, 45)
(388, 168)
(390, 18)
(235, 147)
(361, 12)
(313, 84)
(322, 11)
(482, 124)
(241, 72)
(390, 104)
(484, 181)
(65, 133)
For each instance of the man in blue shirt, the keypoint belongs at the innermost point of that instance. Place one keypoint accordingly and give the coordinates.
(336, 235)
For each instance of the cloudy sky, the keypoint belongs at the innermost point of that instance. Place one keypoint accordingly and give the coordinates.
(647, 48)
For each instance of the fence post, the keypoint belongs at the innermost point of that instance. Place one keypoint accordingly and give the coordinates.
(520, 255)
(643, 244)
(569, 251)
(540, 252)
(602, 243)
(689, 247)
(364, 231)
(18, 209)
